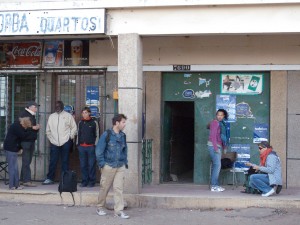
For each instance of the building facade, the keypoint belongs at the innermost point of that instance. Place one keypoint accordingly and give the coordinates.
(173, 64)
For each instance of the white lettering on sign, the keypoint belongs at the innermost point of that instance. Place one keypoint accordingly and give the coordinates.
(81, 21)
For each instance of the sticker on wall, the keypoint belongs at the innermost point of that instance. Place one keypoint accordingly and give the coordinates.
(243, 110)
(204, 81)
(69, 109)
(187, 75)
(203, 94)
(244, 84)
(188, 93)
(227, 102)
(261, 132)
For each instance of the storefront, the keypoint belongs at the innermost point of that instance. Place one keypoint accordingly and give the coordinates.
(47, 70)
(170, 79)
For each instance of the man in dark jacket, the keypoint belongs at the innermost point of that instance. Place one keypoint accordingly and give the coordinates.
(17, 132)
(28, 144)
(87, 138)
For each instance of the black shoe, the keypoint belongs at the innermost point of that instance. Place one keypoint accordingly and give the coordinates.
(91, 185)
(82, 185)
(278, 189)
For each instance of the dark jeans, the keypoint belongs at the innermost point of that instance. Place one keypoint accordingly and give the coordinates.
(57, 152)
(28, 150)
(87, 158)
(13, 169)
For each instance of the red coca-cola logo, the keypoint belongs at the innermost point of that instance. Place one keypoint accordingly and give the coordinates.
(27, 51)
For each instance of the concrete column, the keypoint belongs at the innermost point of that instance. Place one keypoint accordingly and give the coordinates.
(130, 86)
(45, 100)
(153, 120)
(278, 115)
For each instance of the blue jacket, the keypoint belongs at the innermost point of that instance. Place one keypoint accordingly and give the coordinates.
(273, 169)
(114, 152)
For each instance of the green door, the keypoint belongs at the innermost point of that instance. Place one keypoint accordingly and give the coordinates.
(202, 89)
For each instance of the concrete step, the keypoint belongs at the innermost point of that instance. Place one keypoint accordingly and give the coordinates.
(158, 196)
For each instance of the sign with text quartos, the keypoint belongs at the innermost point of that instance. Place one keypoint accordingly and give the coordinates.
(50, 22)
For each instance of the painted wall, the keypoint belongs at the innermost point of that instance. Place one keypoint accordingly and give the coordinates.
(205, 50)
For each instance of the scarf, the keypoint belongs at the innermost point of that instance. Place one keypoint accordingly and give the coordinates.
(264, 155)
(224, 133)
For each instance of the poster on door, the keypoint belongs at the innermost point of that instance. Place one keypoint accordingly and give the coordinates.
(241, 84)
(243, 155)
(92, 95)
(261, 132)
(20, 54)
(53, 53)
(227, 102)
(76, 53)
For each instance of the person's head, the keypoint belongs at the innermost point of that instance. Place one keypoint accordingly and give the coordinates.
(221, 114)
(32, 106)
(86, 113)
(263, 146)
(119, 121)
(25, 122)
(59, 106)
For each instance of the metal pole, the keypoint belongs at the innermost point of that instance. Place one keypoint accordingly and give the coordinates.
(13, 99)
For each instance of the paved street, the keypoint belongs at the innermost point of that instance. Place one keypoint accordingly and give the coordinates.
(34, 214)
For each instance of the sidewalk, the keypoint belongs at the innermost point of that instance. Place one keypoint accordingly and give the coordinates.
(179, 196)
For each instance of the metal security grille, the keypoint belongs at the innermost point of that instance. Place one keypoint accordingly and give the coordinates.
(15, 91)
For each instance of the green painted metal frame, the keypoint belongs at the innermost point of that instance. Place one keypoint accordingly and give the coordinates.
(147, 161)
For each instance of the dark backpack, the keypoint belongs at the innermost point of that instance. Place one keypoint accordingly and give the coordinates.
(226, 163)
(68, 183)
(107, 139)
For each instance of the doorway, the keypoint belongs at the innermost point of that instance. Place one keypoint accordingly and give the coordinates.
(77, 91)
(178, 151)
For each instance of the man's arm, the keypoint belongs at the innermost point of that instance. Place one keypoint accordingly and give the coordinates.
(96, 132)
(100, 148)
(73, 127)
(271, 162)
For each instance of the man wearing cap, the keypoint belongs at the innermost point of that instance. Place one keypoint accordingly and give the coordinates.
(28, 144)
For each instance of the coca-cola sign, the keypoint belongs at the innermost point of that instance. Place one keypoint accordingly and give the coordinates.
(18, 54)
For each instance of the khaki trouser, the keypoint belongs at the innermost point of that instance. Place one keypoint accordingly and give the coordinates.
(112, 176)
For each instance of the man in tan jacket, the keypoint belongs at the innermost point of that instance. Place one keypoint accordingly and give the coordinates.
(61, 130)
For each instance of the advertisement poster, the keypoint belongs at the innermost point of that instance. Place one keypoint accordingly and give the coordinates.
(227, 102)
(53, 53)
(243, 155)
(76, 53)
(261, 132)
(95, 112)
(20, 54)
(243, 84)
(92, 95)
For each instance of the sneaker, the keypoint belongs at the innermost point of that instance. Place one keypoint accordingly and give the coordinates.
(122, 215)
(16, 188)
(29, 184)
(101, 212)
(271, 192)
(47, 182)
(217, 189)
(278, 189)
